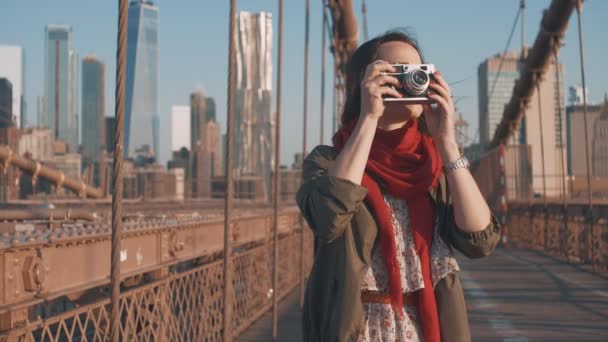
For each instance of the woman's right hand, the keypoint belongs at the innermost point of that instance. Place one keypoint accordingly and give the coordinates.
(373, 86)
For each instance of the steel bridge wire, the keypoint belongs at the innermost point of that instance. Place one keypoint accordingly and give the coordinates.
(228, 271)
(121, 59)
(276, 178)
(304, 138)
(579, 9)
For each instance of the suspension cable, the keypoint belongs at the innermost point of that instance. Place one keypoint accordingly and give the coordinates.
(323, 53)
(364, 17)
(304, 136)
(579, 5)
(276, 179)
(563, 231)
(542, 139)
(228, 271)
(579, 8)
(504, 53)
(121, 59)
(560, 118)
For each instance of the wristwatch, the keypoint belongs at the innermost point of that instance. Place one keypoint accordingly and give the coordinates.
(456, 164)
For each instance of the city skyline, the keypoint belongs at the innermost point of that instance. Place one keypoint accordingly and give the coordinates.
(205, 64)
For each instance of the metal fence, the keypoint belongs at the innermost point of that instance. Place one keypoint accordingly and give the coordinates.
(181, 305)
(566, 233)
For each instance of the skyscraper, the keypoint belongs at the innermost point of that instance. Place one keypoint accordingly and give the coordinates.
(180, 127)
(210, 108)
(93, 109)
(491, 108)
(198, 118)
(254, 120)
(6, 103)
(142, 100)
(12, 67)
(60, 112)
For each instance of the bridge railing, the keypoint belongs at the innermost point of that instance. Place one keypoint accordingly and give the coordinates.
(179, 301)
(557, 222)
(566, 233)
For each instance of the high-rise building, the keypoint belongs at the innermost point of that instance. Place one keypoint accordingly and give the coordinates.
(142, 101)
(60, 112)
(93, 109)
(12, 67)
(495, 92)
(214, 148)
(211, 110)
(597, 144)
(198, 114)
(180, 127)
(6, 103)
(254, 119)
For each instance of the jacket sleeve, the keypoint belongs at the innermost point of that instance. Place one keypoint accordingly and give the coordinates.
(327, 203)
(473, 245)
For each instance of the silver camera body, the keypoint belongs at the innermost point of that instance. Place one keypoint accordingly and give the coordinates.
(415, 79)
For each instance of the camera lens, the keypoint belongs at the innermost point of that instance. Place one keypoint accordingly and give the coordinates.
(419, 77)
(416, 82)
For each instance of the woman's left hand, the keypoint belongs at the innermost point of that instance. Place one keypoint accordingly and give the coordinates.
(440, 115)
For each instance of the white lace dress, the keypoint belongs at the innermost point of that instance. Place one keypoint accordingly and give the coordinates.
(381, 323)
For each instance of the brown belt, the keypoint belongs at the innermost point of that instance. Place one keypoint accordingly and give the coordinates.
(409, 299)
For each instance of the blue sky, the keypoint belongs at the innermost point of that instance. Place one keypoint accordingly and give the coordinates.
(454, 35)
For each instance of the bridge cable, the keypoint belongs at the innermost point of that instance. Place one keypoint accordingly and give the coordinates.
(364, 17)
(323, 53)
(542, 139)
(121, 58)
(276, 179)
(563, 240)
(504, 53)
(304, 136)
(579, 8)
(228, 200)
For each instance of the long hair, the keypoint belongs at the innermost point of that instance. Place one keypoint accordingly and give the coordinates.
(355, 69)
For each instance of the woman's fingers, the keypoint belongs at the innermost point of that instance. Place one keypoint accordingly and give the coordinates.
(440, 101)
(386, 79)
(376, 68)
(389, 91)
(440, 90)
(437, 76)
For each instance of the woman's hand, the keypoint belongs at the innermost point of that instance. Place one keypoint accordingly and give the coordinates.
(373, 86)
(440, 116)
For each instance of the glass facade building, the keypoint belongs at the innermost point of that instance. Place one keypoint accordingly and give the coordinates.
(60, 111)
(253, 135)
(142, 100)
(93, 109)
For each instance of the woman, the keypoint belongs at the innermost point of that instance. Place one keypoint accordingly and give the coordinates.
(380, 209)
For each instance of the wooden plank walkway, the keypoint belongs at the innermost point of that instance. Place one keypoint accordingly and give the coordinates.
(514, 295)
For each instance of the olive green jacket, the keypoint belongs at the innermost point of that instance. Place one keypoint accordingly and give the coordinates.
(346, 231)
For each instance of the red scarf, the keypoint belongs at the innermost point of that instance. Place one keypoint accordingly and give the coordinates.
(407, 164)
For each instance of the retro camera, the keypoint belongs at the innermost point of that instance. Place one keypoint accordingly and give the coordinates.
(415, 79)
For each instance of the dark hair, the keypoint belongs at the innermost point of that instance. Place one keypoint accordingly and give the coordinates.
(361, 58)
